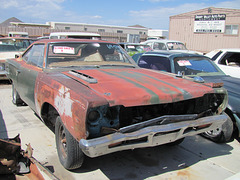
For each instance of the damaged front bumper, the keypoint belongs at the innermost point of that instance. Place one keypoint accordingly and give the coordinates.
(151, 133)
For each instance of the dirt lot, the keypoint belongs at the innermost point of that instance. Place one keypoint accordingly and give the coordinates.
(195, 158)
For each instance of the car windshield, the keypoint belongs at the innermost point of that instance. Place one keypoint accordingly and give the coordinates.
(155, 62)
(138, 48)
(70, 54)
(7, 45)
(196, 66)
(176, 46)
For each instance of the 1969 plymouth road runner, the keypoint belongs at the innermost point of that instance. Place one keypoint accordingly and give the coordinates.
(99, 101)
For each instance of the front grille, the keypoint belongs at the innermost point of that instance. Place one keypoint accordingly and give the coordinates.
(206, 105)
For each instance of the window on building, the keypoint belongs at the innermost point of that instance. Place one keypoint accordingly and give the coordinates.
(140, 32)
(119, 31)
(101, 30)
(85, 29)
(231, 29)
(67, 28)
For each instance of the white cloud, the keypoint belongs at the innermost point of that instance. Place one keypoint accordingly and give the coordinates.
(9, 4)
(159, 16)
(154, 1)
(42, 11)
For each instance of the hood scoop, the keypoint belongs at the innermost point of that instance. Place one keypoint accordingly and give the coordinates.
(83, 76)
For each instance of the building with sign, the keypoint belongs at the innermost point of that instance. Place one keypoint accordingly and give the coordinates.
(207, 29)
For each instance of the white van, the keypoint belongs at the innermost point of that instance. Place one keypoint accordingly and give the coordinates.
(78, 35)
(17, 34)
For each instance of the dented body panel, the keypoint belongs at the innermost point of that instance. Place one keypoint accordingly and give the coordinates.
(96, 97)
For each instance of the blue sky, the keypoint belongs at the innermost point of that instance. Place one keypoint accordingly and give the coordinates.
(149, 13)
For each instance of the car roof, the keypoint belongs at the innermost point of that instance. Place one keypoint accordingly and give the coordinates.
(123, 43)
(228, 49)
(162, 40)
(171, 54)
(15, 38)
(74, 34)
(71, 40)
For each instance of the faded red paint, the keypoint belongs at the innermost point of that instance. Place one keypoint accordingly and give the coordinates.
(113, 88)
(47, 91)
(131, 89)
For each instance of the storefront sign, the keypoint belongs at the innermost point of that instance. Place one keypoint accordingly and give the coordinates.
(210, 23)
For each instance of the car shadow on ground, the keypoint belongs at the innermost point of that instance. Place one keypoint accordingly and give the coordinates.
(148, 162)
(3, 129)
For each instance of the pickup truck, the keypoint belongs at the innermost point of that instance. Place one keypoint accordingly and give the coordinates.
(99, 101)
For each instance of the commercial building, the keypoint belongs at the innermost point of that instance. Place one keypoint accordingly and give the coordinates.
(134, 33)
(207, 29)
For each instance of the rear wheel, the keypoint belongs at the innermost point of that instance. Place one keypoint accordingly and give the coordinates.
(223, 134)
(69, 152)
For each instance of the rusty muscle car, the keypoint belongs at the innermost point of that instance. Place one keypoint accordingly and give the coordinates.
(99, 101)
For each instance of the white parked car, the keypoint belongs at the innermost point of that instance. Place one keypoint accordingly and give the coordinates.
(169, 45)
(9, 47)
(228, 60)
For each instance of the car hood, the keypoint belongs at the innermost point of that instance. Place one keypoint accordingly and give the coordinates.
(230, 83)
(131, 87)
(8, 55)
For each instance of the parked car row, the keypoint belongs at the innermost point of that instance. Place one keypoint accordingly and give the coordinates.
(99, 101)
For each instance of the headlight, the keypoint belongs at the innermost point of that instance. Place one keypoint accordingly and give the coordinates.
(93, 116)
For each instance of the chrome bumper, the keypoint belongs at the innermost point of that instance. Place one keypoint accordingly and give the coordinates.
(153, 132)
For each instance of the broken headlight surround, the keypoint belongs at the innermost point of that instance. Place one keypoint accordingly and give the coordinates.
(102, 120)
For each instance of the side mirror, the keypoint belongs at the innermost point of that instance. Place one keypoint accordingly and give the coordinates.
(17, 56)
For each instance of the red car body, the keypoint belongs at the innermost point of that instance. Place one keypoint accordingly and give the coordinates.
(103, 102)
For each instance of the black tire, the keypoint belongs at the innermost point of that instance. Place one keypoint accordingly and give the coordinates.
(223, 134)
(69, 153)
(175, 143)
(16, 100)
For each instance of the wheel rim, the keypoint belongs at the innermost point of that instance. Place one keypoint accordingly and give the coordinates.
(215, 132)
(63, 142)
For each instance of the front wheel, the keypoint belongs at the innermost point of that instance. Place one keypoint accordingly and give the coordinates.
(69, 152)
(223, 134)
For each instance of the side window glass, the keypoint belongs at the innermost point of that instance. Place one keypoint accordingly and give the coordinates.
(35, 55)
(159, 46)
(231, 59)
(26, 55)
(150, 44)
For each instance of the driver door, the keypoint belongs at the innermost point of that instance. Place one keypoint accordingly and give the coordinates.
(32, 64)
